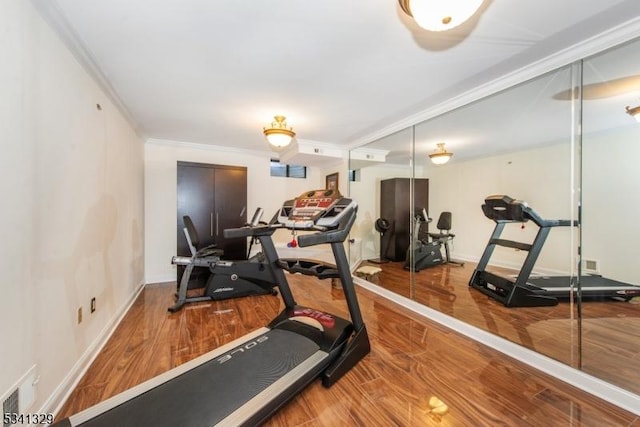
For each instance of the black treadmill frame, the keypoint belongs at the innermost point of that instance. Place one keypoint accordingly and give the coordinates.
(513, 293)
(339, 348)
(519, 292)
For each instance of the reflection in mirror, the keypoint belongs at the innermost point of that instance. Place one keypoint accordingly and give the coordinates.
(520, 143)
(383, 171)
(610, 188)
(555, 147)
(517, 143)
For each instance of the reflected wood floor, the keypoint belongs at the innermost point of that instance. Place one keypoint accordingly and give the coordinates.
(412, 360)
(611, 329)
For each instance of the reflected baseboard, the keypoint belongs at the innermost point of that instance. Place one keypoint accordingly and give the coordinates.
(378, 261)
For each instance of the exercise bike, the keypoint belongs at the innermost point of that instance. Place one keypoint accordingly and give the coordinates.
(227, 279)
(425, 254)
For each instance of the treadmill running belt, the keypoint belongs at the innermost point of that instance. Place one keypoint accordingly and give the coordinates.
(590, 284)
(208, 393)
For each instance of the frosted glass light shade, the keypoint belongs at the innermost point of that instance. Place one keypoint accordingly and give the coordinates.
(279, 134)
(441, 155)
(440, 158)
(440, 15)
(278, 139)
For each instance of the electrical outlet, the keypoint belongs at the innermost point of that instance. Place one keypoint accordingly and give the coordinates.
(93, 304)
(79, 315)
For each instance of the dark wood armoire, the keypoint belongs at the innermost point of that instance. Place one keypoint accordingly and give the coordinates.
(215, 197)
(395, 207)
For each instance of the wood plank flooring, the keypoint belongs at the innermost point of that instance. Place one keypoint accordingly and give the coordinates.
(610, 329)
(412, 362)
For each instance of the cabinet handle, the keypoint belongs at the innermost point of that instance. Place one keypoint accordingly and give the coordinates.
(216, 223)
(211, 224)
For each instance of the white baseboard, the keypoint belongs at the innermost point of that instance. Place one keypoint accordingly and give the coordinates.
(541, 271)
(161, 278)
(588, 383)
(59, 396)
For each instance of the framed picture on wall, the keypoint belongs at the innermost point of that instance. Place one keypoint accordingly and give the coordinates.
(331, 181)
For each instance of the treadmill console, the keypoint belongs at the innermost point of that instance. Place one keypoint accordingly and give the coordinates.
(505, 209)
(502, 208)
(323, 208)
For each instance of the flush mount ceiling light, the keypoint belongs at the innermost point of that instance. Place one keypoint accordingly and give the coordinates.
(440, 15)
(634, 112)
(441, 155)
(278, 133)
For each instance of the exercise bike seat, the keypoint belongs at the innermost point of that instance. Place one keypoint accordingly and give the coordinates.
(444, 227)
(210, 251)
(207, 251)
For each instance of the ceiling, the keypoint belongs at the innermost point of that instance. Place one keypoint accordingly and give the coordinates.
(216, 72)
(531, 114)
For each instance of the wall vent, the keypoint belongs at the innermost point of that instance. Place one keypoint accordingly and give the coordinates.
(21, 397)
(590, 266)
(11, 405)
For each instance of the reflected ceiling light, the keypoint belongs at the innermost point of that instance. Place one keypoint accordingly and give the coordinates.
(634, 112)
(441, 155)
(440, 15)
(278, 133)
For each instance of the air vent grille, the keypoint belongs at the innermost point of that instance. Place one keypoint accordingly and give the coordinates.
(11, 405)
(591, 266)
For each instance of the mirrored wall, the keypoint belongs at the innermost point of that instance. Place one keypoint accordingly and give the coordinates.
(565, 149)
(610, 234)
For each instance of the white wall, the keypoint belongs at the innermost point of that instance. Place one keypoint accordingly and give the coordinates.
(17, 315)
(611, 205)
(366, 192)
(541, 177)
(72, 185)
(263, 191)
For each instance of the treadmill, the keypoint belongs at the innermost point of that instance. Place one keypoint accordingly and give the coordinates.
(244, 382)
(526, 290)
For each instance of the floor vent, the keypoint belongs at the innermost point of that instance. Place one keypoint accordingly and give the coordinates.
(11, 405)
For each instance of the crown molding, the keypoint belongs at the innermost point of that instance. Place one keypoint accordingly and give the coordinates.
(589, 47)
(207, 147)
(53, 15)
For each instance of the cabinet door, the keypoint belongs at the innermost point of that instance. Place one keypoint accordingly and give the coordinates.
(196, 199)
(230, 209)
(402, 219)
(388, 195)
(395, 207)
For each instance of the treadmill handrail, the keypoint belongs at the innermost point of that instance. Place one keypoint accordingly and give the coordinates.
(250, 230)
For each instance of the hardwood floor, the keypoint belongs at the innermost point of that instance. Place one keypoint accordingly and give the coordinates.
(413, 363)
(610, 329)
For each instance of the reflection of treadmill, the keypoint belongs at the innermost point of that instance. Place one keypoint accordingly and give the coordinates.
(247, 380)
(526, 291)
